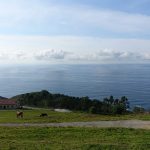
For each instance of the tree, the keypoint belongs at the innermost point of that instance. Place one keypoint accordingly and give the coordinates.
(46, 99)
(111, 99)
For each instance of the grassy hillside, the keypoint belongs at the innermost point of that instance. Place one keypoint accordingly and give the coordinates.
(33, 116)
(74, 139)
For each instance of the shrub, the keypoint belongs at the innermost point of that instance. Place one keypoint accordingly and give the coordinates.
(92, 110)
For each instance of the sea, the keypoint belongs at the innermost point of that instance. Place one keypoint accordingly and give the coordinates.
(96, 81)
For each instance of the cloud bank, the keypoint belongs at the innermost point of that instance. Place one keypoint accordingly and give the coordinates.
(50, 54)
(72, 49)
(101, 56)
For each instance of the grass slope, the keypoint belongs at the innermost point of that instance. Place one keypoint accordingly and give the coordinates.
(32, 116)
(73, 139)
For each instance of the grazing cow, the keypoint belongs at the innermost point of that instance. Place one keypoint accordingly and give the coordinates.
(19, 114)
(43, 115)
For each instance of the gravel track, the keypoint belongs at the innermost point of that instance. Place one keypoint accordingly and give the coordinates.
(136, 124)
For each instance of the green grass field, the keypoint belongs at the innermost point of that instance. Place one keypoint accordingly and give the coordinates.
(29, 138)
(32, 116)
(52, 138)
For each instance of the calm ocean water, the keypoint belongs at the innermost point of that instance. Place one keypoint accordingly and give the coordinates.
(95, 81)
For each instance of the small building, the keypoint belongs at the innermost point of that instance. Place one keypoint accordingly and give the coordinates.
(8, 104)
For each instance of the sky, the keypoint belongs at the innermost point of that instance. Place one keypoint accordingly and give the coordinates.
(67, 31)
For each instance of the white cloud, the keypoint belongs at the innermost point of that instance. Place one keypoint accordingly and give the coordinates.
(101, 56)
(69, 49)
(107, 55)
(113, 54)
(3, 56)
(77, 57)
(51, 54)
(20, 13)
(146, 56)
(19, 55)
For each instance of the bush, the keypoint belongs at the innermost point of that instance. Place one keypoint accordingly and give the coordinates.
(92, 110)
(119, 109)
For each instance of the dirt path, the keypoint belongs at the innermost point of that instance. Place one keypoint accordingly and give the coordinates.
(137, 124)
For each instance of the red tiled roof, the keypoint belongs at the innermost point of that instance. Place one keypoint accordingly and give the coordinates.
(7, 102)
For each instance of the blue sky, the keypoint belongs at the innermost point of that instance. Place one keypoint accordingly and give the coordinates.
(65, 31)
